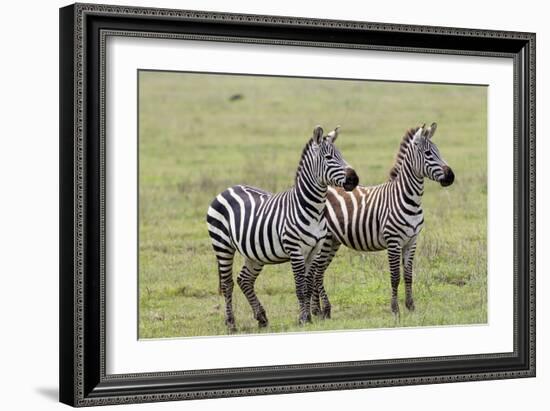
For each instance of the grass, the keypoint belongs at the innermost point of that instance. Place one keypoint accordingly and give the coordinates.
(199, 134)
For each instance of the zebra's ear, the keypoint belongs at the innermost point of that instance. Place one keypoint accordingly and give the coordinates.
(318, 134)
(333, 135)
(419, 135)
(432, 129)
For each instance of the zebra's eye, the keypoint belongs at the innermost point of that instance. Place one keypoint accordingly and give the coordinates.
(427, 153)
(328, 156)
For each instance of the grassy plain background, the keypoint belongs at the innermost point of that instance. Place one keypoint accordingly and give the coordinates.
(199, 134)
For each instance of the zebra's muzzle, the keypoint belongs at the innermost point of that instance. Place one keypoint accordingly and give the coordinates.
(448, 177)
(352, 179)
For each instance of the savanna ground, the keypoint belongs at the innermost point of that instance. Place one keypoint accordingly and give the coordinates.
(199, 134)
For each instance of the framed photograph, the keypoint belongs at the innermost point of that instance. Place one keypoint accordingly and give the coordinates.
(262, 204)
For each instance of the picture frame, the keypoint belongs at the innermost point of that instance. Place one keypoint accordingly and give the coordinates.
(84, 29)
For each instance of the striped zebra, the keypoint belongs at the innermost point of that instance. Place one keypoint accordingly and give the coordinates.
(271, 228)
(387, 216)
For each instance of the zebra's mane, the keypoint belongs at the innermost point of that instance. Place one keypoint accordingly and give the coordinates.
(302, 156)
(405, 141)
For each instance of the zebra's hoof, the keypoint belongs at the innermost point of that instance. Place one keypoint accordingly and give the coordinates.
(263, 324)
(304, 319)
(262, 319)
(395, 307)
(326, 313)
(231, 328)
(316, 311)
(397, 316)
(410, 304)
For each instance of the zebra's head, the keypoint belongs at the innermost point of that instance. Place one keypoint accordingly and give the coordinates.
(431, 164)
(331, 167)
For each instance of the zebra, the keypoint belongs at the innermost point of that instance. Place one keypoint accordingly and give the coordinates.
(271, 228)
(387, 216)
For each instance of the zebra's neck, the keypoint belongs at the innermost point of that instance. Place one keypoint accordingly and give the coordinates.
(409, 182)
(311, 194)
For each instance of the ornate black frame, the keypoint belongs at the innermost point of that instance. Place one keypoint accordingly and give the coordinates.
(83, 30)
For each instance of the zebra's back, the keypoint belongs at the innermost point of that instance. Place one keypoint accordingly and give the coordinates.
(357, 218)
(250, 221)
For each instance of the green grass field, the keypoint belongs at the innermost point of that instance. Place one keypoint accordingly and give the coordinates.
(199, 134)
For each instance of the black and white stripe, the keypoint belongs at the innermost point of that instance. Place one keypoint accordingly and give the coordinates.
(387, 216)
(271, 228)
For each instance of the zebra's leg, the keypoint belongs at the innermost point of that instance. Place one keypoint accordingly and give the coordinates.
(246, 280)
(327, 308)
(311, 268)
(225, 271)
(315, 302)
(394, 259)
(319, 294)
(304, 286)
(408, 258)
(327, 253)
